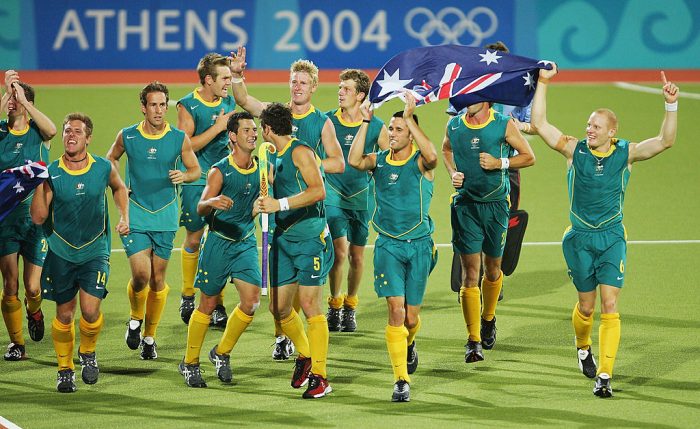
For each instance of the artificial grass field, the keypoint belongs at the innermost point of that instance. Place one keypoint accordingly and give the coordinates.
(529, 378)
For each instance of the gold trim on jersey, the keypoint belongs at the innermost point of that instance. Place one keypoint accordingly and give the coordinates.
(311, 110)
(420, 213)
(84, 170)
(492, 117)
(175, 199)
(347, 196)
(224, 237)
(403, 162)
(250, 170)
(165, 131)
(603, 154)
(18, 132)
(287, 146)
(199, 98)
(104, 227)
(571, 201)
(338, 114)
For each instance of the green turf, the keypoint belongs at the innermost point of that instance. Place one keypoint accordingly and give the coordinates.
(530, 378)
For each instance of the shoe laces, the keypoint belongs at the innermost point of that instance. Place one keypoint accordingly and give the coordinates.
(88, 359)
(65, 375)
(314, 381)
(221, 360)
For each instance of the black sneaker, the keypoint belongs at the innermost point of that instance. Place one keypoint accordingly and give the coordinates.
(348, 322)
(90, 371)
(219, 318)
(318, 387)
(602, 387)
(284, 347)
(15, 352)
(412, 358)
(35, 325)
(402, 392)
(222, 363)
(65, 382)
(192, 375)
(333, 316)
(148, 348)
(302, 367)
(133, 334)
(474, 352)
(488, 333)
(186, 308)
(586, 362)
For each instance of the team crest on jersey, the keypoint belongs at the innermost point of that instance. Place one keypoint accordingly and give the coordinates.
(248, 186)
(475, 143)
(348, 139)
(599, 170)
(80, 188)
(18, 147)
(294, 130)
(393, 177)
(152, 153)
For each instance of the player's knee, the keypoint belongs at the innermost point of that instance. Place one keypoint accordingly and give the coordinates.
(340, 255)
(10, 287)
(140, 280)
(249, 308)
(609, 305)
(493, 273)
(586, 308)
(279, 313)
(411, 320)
(65, 315)
(90, 315)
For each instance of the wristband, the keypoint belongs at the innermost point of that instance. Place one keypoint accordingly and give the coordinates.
(366, 121)
(284, 204)
(505, 163)
(671, 107)
(544, 80)
(237, 79)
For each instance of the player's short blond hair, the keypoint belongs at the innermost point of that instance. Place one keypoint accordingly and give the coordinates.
(305, 66)
(208, 64)
(360, 78)
(610, 115)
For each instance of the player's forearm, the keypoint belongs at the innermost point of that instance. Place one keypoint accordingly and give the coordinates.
(669, 128)
(249, 103)
(426, 147)
(46, 126)
(521, 160)
(39, 210)
(334, 164)
(201, 140)
(448, 160)
(309, 196)
(3, 102)
(539, 104)
(356, 157)
(192, 173)
(121, 201)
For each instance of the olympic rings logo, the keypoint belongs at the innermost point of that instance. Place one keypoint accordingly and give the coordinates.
(450, 34)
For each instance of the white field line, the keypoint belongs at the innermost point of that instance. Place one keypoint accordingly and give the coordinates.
(526, 244)
(642, 88)
(4, 423)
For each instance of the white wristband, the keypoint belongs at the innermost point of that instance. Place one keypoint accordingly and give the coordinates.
(284, 204)
(505, 163)
(237, 79)
(671, 107)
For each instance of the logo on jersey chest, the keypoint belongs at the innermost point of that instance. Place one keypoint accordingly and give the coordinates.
(80, 188)
(18, 147)
(294, 130)
(348, 139)
(393, 177)
(152, 152)
(475, 143)
(247, 188)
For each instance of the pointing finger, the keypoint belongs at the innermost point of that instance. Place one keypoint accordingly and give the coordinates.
(663, 77)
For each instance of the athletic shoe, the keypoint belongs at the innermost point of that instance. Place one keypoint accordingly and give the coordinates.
(474, 352)
(15, 352)
(219, 318)
(602, 387)
(186, 308)
(148, 348)
(302, 368)
(333, 316)
(318, 387)
(133, 334)
(192, 374)
(488, 333)
(222, 363)
(284, 347)
(35, 325)
(90, 371)
(402, 392)
(412, 358)
(586, 362)
(65, 382)
(348, 322)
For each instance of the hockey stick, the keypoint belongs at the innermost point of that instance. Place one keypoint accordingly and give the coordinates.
(263, 150)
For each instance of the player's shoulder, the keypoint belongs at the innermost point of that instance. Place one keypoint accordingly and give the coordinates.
(187, 99)
(622, 143)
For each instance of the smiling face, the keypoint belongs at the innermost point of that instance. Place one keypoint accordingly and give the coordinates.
(222, 83)
(75, 138)
(246, 136)
(600, 129)
(14, 107)
(301, 88)
(155, 109)
(399, 136)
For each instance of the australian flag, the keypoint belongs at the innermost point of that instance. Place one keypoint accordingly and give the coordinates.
(17, 183)
(465, 75)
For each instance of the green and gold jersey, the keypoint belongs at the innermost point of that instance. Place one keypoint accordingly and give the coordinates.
(468, 141)
(16, 148)
(243, 187)
(307, 127)
(301, 223)
(204, 114)
(77, 228)
(402, 198)
(597, 183)
(152, 196)
(348, 190)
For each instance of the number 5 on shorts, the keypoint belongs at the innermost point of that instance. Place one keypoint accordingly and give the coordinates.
(317, 263)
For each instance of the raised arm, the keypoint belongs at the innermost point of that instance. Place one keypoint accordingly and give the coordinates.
(39, 210)
(649, 148)
(189, 160)
(334, 162)
(356, 156)
(428, 154)
(549, 133)
(383, 139)
(121, 200)
(46, 127)
(238, 87)
(185, 122)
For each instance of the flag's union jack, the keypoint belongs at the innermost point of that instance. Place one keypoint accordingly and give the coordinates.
(17, 183)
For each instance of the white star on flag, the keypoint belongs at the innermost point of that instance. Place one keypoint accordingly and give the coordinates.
(392, 82)
(18, 188)
(489, 57)
(528, 81)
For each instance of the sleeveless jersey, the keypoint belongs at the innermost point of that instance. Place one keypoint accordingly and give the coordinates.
(301, 223)
(78, 228)
(204, 115)
(243, 187)
(402, 198)
(597, 183)
(348, 190)
(468, 141)
(152, 196)
(307, 127)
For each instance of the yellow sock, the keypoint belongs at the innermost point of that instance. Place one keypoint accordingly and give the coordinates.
(397, 344)
(63, 342)
(490, 291)
(137, 301)
(609, 337)
(154, 310)
(278, 326)
(412, 332)
(220, 297)
(318, 342)
(351, 301)
(33, 303)
(336, 303)
(293, 328)
(237, 323)
(12, 313)
(582, 328)
(89, 333)
(470, 298)
(189, 269)
(196, 331)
